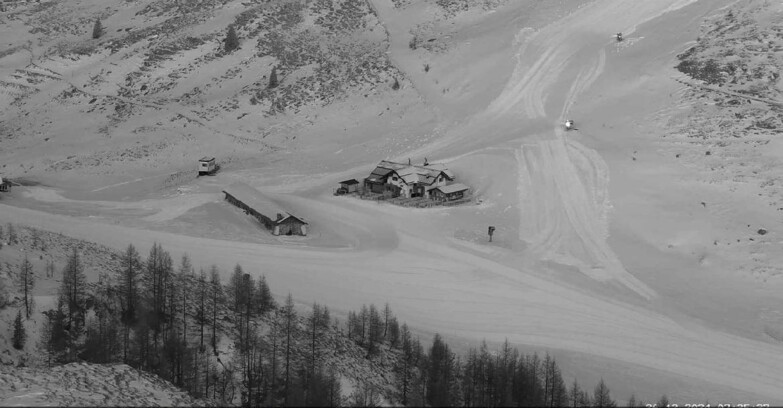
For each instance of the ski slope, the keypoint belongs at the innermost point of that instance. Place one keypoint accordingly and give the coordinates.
(555, 282)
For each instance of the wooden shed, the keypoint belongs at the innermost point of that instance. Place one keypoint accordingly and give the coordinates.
(450, 192)
(5, 185)
(278, 221)
(350, 186)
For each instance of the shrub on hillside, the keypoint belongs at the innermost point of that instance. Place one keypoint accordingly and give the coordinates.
(97, 29)
(19, 334)
(231, 41)
(273, 79)
(4, 296)
(708, 71)
(12, 237)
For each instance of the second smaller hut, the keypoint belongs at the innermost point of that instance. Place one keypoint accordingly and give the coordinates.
(450, 192)
(349, 186)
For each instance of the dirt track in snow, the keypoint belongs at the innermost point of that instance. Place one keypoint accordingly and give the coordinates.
(476, 292)
(564, 210)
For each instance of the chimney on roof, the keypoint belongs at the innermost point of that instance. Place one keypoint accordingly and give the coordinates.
(279, 216)
(409, 161)
(426, 163)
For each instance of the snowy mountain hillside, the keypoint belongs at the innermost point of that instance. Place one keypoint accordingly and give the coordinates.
(640, 246)
(158, 89)
(732, 106)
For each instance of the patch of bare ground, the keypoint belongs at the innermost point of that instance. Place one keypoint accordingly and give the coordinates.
(342, 50)
(41, 245)
(728, 123)
(732, 105)
(96, 159)
(81, 384)
(454, 7)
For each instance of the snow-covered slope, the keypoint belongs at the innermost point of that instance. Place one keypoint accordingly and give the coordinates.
(608, 250)
(157, 90)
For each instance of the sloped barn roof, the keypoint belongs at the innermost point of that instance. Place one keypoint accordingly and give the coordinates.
(258, 202)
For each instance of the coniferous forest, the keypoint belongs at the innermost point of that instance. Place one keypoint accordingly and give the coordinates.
(234, 344)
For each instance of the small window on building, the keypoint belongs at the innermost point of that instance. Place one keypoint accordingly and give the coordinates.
(440, 179)
(394, 178)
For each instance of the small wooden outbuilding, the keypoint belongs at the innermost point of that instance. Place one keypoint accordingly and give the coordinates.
(450, 192)
(350, 186)
(4, 185)
(264, 210)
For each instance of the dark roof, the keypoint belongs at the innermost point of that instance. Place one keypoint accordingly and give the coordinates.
(206, 159)
(381, 172)
(257, 201)
(452, 188)
(349, 182)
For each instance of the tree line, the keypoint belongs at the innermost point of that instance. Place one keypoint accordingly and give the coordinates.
(437, 376)
(174, 322)
(171, 321)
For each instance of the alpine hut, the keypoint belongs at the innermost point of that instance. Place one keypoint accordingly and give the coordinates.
(407, 180)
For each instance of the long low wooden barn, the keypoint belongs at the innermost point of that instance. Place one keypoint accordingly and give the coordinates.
(254, 203)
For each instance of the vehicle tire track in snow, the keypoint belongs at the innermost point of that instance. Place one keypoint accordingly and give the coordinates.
(582, 82)
(563, 217)
(564, 202)
(528, 81)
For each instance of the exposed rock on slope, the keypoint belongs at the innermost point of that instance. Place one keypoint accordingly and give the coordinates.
(728, 122)
(89, 385)
(734, 109)
(741, 49)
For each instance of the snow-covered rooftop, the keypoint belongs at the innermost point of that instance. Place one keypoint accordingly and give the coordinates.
(258, 201)
(412, 174)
